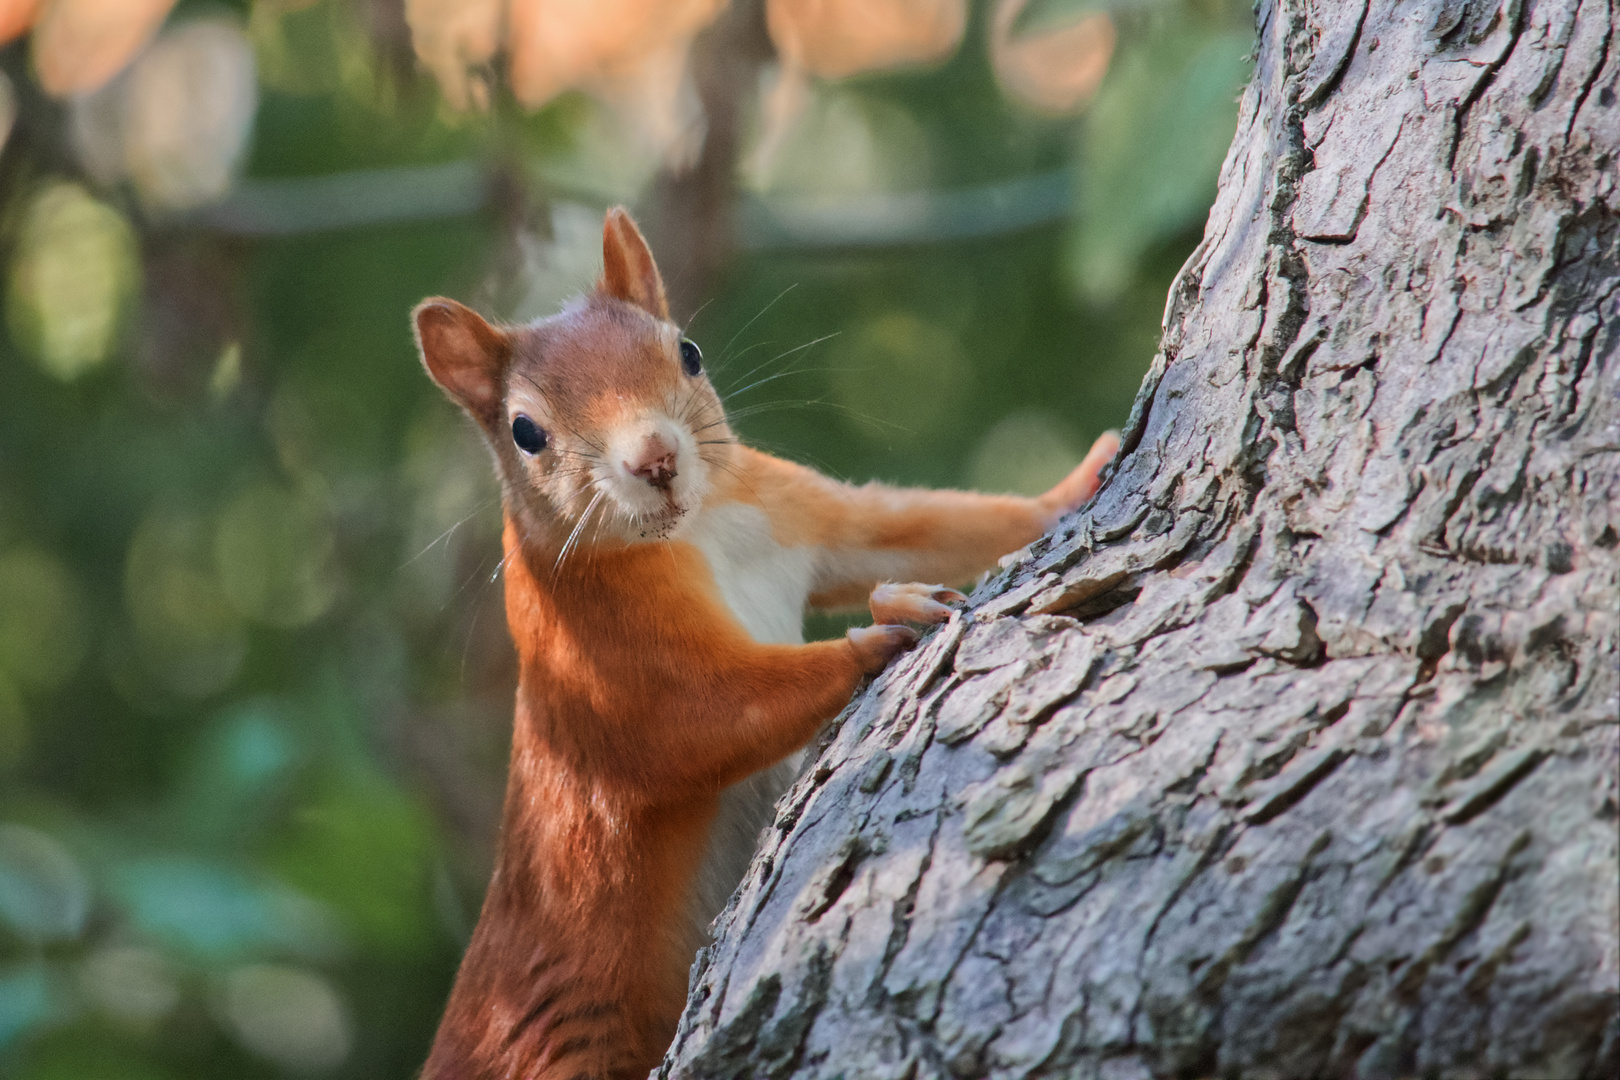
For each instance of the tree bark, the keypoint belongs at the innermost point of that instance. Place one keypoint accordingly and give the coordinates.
(1295, 753)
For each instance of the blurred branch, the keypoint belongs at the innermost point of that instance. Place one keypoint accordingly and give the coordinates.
(692, 222)
(905, 217)
(346, 200)
(289, 206)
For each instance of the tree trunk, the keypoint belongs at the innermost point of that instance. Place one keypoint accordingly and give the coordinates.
(1295, 754)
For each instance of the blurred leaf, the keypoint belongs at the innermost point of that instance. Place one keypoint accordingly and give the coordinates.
(839, 38)
(629, 54)
(212, 911)
(839, 141)
(240, 765)
(1151, 150)
(560, 44)
(1054, 69)
(44, 895)
(288, 1015)
(188, 111)
(73, 276)
(80, 44)
(42, 625)
(27, 999)
(455, 39)
(15, 17)
(134, 986)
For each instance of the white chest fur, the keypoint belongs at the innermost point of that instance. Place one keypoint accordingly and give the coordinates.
(763, 583)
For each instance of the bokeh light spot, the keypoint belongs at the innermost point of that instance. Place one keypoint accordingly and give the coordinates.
(897, 376)
(73, 275)
(839, 38)
(44, 895)
(1025, 454)
(80, 44)
(288, 1015)
(42, 625)
(132, 985)
(188, 633)
(188, 113)
(274, 553)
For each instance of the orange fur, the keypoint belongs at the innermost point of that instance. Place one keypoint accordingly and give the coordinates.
(645, 687)
(639, 699)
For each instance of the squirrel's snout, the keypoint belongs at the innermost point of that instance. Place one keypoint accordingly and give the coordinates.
(654, 462)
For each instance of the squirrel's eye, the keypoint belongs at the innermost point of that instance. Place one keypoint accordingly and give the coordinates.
(527, 434)
(691, 357)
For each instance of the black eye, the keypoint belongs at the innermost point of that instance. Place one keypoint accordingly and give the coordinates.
(527, 434)
(691, 357)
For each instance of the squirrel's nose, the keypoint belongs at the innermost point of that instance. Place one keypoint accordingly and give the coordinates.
(654, 463)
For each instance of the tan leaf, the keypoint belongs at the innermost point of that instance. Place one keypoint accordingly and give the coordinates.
(80, 44)
(453, 38)
(838, 38)
(188, 112)
(559, 45)
(15, 17)
(1057, 70)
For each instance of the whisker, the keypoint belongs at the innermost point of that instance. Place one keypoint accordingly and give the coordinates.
(782, 375)
(479, 509)
(751, 322)
(578, 526)
(823, 403)
(779, 356)
(746, 349)
(687, 328)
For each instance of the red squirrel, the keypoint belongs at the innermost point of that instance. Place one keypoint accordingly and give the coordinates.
(657, 572)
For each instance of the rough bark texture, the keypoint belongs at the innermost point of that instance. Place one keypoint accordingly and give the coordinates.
(1296, 753)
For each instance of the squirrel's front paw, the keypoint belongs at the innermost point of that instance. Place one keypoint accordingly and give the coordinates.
(1080, 485)
(912, 602)
(875, 646)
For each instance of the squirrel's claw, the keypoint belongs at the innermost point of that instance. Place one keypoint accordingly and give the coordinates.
(912, 602)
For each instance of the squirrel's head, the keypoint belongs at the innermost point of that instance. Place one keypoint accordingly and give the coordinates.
(603, 423)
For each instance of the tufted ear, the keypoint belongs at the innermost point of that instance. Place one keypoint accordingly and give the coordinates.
(465, 355)
(628, 270)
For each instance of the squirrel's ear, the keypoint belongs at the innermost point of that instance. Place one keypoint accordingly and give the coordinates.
(628, 270)
(464, 354)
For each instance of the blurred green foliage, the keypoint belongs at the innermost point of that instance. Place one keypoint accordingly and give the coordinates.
(253, 675)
